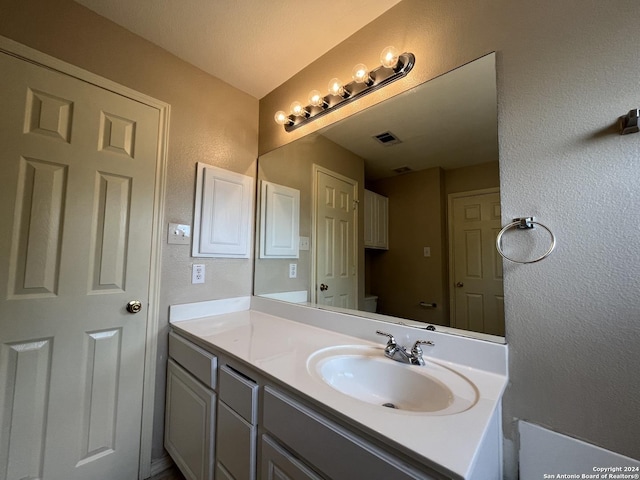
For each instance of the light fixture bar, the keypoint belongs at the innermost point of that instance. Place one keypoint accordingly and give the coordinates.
(380, 77)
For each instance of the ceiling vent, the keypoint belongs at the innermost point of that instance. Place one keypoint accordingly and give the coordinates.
(387, 138)
(402, 170)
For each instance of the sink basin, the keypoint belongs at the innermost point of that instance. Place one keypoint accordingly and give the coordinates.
(365, 374)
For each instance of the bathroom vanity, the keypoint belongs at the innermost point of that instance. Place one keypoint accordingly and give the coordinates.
(255, 389)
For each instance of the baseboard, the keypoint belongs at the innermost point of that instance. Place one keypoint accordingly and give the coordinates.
(159, 465)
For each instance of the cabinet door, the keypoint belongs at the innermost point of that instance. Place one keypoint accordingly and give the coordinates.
(278, 464)
(376, 220)
(189, 424)
(382, 232)
(369, 219)
(222, 217)
(236, 440)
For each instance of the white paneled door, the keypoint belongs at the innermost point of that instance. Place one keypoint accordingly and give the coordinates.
(76, 206)
(476, 273)
(335, 251)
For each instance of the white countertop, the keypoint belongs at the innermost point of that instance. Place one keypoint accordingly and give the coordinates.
(280, 348)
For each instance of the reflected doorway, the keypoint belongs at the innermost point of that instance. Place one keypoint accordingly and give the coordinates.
(475, 268)
(335, 237)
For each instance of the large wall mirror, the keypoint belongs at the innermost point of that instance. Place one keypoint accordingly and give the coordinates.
(399, 208)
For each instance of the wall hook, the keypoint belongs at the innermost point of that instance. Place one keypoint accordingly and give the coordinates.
(629, 122)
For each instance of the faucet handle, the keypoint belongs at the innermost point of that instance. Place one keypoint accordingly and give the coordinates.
(416, 350)
(392, 346)
(391, 339)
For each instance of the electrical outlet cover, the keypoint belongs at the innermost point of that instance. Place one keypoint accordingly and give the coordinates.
(197, 273)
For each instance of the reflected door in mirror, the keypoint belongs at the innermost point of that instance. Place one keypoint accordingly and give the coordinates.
(477, 290)
(335, 240)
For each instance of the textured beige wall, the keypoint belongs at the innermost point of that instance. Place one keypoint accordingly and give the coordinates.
(292, 166)
(210, 122)
(402, 276)
(566, 71)
(475, 177)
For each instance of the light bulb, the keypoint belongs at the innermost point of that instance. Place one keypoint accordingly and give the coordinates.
(298, 110)
(336, 87)
(281, 118)
(389, 57)
(316, 99)
(360, 74)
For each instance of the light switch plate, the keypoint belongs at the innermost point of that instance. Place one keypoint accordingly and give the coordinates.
(304, 243)
(427, 251)
(179, 234)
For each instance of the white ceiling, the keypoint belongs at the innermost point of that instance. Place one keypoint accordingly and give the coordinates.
(450, 121)
(254, 45)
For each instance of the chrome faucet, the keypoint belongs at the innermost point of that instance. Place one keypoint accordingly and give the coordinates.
(401, 354)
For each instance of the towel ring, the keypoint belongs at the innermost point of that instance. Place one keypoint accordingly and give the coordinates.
(524, 223)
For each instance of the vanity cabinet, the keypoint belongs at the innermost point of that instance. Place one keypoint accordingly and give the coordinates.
(297, 440)
(376, 221)
(190, 408)
(327, 446)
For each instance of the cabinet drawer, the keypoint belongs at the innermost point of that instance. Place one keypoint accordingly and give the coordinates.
(200, 363)
(239, 392)
(236, 444)
(277, 463)
(328, 447)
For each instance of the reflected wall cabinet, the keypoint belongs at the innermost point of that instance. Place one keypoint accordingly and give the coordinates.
(376, 221)
(279, 221)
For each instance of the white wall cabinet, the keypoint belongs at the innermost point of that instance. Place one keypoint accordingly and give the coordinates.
(223, 213)
(376, 221)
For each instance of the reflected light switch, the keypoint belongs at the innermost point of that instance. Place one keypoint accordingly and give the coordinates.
(427, 251)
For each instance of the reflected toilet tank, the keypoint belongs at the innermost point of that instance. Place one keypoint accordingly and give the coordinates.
(370, 303)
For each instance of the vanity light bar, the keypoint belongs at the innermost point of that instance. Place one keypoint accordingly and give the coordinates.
(394, 66)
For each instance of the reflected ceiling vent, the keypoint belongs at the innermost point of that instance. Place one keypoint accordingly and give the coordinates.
(387, 138)
(402, 170)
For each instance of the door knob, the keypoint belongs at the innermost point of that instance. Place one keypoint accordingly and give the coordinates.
(459, 284)
(134, 306)
(323, 287)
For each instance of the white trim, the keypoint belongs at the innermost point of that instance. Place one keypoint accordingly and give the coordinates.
(30, 55)
(451, 198)
(314, 219)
